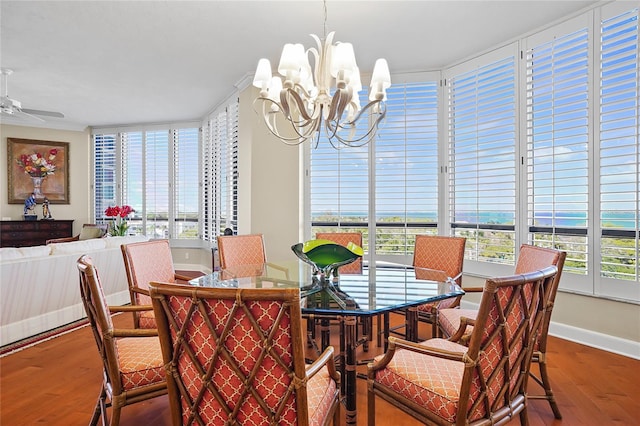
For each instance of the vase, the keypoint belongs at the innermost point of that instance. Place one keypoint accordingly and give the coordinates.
(37, 186)
(326, 256)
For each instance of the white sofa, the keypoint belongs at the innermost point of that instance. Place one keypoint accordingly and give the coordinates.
(39, 287)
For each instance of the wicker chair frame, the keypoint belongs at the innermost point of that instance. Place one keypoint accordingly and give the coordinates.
(113, 392)
(496, 362)
(531, 258)
(218, 344)
(144, 262)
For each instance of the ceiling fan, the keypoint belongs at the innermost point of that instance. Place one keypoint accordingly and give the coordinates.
(12, 107)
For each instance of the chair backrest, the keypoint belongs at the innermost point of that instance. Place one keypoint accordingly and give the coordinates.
(145, 262)
(236, 355)
(532, 258)
(344, 238)
(439, 253)
(236, 250)
(497, 363)
(95, 305)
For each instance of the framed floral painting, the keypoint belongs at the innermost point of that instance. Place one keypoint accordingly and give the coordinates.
(38, 167)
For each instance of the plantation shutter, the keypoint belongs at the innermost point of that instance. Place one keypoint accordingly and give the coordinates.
(619, 158)
(132, 177)
(220, 192)
(339, 186)
(406, 167)
(186, 172)
(104, 172)
(557, 63)
(207, 188)
(156, 183)
(482, 156)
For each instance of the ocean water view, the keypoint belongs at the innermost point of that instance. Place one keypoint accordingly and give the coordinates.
(620, 220)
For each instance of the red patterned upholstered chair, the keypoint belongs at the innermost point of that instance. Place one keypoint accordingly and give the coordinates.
(235, 356)
(455, 322)
(436, 258)
(132, 361)
(344, 238)
(145, 262)
(244, 256)
(446, 383)
(237, 250)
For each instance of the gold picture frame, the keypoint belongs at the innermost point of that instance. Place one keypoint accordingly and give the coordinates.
(38, 166)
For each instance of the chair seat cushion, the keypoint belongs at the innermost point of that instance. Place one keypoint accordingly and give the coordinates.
(321, 390)
(449, 320)
(140, 361)
(427, 307)
(146, 319)
(431, 382)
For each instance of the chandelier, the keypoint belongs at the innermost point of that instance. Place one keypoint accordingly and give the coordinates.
(308, 101)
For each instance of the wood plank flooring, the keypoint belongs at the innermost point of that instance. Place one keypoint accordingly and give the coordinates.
(57, 382)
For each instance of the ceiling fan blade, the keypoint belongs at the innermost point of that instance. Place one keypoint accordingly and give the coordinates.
(24, 114)
(45, 113)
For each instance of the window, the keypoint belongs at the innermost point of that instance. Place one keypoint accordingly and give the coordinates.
(619, 149)
(482, 135)
(105, 166)
(406, 168)
(557, 67)
(150, 170)
(220, 160)
(401, 165)
(186, 171)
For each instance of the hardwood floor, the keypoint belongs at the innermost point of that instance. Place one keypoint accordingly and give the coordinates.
(57, 382)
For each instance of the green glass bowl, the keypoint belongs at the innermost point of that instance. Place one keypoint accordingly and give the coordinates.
(326, 256)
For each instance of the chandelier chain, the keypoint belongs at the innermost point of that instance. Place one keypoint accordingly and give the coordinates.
(324, 35)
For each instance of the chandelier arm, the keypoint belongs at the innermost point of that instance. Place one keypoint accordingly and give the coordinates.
(308, 131)
(364, 139)
(368, 106)
(272, 124)
(361, 141)
(284, 94)
(343, 100)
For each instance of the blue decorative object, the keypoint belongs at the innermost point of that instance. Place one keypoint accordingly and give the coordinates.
(30, 204)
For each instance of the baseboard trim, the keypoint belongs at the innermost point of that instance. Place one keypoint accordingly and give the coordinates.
(594, 339)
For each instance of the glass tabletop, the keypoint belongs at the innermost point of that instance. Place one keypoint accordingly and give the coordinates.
(379, 288)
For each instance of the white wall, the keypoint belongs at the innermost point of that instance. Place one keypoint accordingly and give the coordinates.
(78, 208)
(268, 184)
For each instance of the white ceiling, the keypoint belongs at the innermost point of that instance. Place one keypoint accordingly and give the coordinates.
(104, 63)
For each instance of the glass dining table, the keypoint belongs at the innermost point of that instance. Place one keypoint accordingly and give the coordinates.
(351, 299)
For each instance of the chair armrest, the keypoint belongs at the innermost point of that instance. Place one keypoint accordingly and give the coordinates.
(133, 332)
(396, 343)
(461, 332)
(63, 240)
(279, 268)
(472, 289)
(140, 290)
(130, 308)
(180, 277)
(325, 358)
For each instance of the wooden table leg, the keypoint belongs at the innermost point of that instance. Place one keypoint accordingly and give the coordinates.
(411, 324)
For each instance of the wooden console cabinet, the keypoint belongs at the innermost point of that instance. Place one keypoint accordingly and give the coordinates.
(24, 233)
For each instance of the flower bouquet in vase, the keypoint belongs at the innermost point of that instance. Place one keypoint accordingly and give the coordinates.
(119, 226)
(38, 166)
